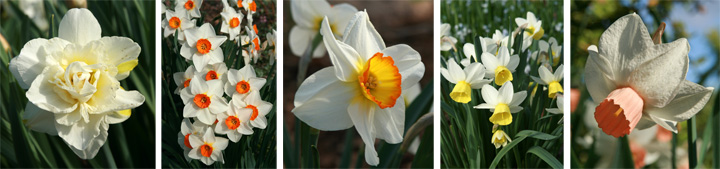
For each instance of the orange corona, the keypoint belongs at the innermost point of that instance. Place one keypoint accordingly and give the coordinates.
(255, 111)
(211, 75)
(202, 100)
(174, 22)
(232, 122)
(242, 87)
(234, 22)
(187, 141)
(206, 150)
(203, 46)
(189, 5)
(381, 81)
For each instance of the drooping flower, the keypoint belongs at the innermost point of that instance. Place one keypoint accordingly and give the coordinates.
(551, 80)
(177, 21)
(208, 148)
(446, 40)
(502, 102)
(182, 79)
(559, 109)
(73, 82)
(242, 82)
(363, 87)
(234, 122)
(191, 7)
(470, 56)
(258, 107)
(254, 51)
(308, 15)
(472, 77)
(638, 83)
(188, 129)
(500, 138)
(533, 29)
(202, 46)
(500, 67)
(203, 99)
(231, 22)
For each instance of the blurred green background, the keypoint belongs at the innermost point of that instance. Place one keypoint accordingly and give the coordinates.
(695, 20)
(129, 144)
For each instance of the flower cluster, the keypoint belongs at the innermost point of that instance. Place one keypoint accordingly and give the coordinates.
(496, 67)
(73, 82)
(205, 86)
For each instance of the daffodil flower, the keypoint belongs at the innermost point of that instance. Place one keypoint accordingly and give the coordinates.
(73, 82)
(363, 87)
(500, 67)
(254, 52)
(182, 79)
(191, 7)
(177, 21)
(207, 148)
(501, 103)
(638, 83)
(559, 109)
(308, 15)
(203, 99)
(500, 139)
(186, 130)
(242, 82)
(258, 107)
(551, 80)
(493, 45)
(231, 22)
(271, 40)
(533, 29)
(215, 72)
(234, 122)
(446, 40)
(251, 8)
(202, 46)
(472, 77)
(35, 10)
(552, 50)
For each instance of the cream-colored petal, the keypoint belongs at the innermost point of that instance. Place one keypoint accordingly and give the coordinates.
(322, 101)
(79, 26)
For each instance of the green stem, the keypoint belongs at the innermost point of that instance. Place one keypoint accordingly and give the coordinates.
(692, 137)
(306, 58)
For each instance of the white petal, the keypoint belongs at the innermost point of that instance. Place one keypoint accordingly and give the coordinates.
(390, 122)
(93, 146)
(453, 72)
(469, 50)
(599, 84)
(31, 60)
(205, 116)
(559, 72)
(120, 50)
(371, 156)
(39, 120)
(408, 63)
(300, 40)
(545, 74)
(195, 142)
(304, 13)
(484, 106)
(79, 26)
(259, 122)
(506, 93)
(489, 61)
(190, 110)
(340, 15)
(344, 58)
(80, 135)
(185, 126)
(361, 35)
(220, 143)
(362, 114)
(42, 94)
(321, 101)
(490, 95)
(657, 80)
(690, 99)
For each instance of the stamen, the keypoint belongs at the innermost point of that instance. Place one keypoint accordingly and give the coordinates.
(232, 122)
(203, 46)
(211, 75)
(189, 5)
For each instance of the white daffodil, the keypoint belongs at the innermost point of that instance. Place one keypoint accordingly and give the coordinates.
(258, 107)
(242, 82)
(551, 80)
(308, 15)
(182, 79)
(188, 129)
(551, 49)
(251, 8)
(638, 83)
(446, 40)
(271, 40)
(235, 122)
(202, 46)
(231, 22)
(191, 7)
(469, 51)
(215, 72)
(363, 87)
(493, 45)
(500, 139)
(501, 103)
(177, 21)
(500, 67)
(559, 109)
(73, 82)
(208, 148)
(203, 99)
(472, 77)
(533, 29)
(254, 52)
(35, 10)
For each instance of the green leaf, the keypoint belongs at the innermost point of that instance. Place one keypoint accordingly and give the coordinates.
(545, 156)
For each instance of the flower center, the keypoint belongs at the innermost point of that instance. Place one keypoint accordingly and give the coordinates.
(189, 5)
(553, 88)
(381, 81)
(242, 87)
(206, 150)
(502, 75)
(203, 46)
(232, 122)
(174, 22)
(256, 43)
(255, 111)
(202, 100)
(620, 112)
(234, 22)
(501, 115)
(461, 92)
(186, 83)
(211, 75)
(187, 141)
(253, 7)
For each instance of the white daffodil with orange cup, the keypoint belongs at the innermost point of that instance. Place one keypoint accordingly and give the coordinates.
(363, 87)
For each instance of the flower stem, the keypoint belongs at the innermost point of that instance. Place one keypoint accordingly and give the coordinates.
(414, 130)
(692, 137)
(305, 59)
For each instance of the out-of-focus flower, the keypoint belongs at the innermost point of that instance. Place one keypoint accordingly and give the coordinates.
(208, 148)
(231, 22)
(639, 84)
(502, 102)
(191, 7)
(574, 99)
(242, 82)
(308, 15)
(500, 67)
(186, 130)
(493, 45)
(500, 139)
(465, 80)
(271, 42)
(559, 110)
(182, 79)
(202, 46)
(533, 29)
(203, 99)
(363, 87)
(551, 80)
(35, 10)
(446, 40)
(254, 52)
(177, 21)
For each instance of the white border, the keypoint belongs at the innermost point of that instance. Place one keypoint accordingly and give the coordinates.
(566, 83)
(436, 85)
(279, 111)
(158, 86)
